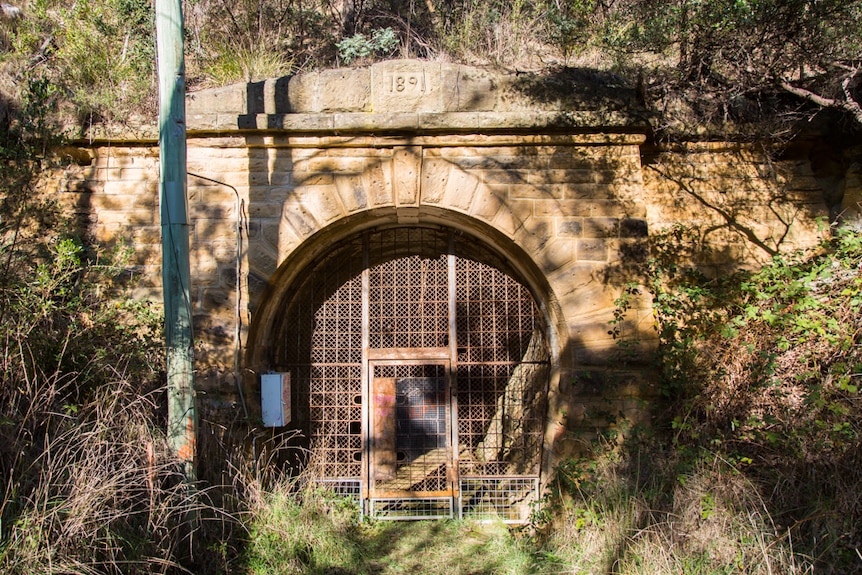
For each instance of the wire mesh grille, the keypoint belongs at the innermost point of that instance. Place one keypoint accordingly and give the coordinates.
(348, 488)
(323, 323)
(409, 303)
(496, 315)
(321, 344)
(416, 508)
(510, 499)
(498, 388)
(502, 372)
(500, 415)
(332, 396)
(420, 416)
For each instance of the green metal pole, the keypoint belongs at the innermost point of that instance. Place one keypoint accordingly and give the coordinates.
(176, 280)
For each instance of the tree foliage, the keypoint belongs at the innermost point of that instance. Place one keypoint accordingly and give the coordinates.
(738, 54)
(705, 61)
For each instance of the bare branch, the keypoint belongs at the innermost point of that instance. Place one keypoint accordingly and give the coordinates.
(846, 68)
(849, 105)
(845, 86)
(808, 95)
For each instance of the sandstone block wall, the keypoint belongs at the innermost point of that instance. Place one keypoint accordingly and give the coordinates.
(746, 203)
(279, 171)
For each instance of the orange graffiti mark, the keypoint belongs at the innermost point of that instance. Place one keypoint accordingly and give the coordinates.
(186, 452)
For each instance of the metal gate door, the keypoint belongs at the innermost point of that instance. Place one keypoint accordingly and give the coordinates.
(409, 443)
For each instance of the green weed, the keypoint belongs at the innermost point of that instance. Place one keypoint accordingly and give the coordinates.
(760, 369)
(381, 42)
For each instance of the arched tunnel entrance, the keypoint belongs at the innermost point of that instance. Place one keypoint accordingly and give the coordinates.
(419, 367)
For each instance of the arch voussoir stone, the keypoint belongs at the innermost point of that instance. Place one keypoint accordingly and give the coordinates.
(352, 190)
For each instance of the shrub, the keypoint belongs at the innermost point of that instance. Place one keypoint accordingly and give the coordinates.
(101, 54)
(380, 43)
(764, 369)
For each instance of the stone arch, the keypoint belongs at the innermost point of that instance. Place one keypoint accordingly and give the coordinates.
(517, 198)
(560, 209)
(569, 204)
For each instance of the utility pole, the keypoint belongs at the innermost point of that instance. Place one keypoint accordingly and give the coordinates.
(176, 276)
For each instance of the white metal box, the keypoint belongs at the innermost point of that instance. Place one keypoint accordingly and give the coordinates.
(275, 399)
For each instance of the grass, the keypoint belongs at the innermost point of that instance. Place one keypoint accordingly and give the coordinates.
(603, 518)
(752, 468)
(241, 64)
(97, 496)
(315, 533)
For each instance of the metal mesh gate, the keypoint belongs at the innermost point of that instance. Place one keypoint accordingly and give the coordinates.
(420, 371)
(410, 441)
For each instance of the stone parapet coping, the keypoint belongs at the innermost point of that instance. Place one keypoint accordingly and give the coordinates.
(523, 124)
(423, 122)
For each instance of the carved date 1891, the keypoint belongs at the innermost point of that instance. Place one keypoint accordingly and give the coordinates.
(407, 83)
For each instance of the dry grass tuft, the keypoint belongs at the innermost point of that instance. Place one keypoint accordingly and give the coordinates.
(95, 491)
(710, 519)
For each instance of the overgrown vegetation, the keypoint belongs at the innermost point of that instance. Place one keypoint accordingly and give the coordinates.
(756, 469)
(696, 65)
(753, 468)
(98, 54)
(88, 485)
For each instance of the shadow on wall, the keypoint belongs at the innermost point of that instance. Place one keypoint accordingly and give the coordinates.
(314, 197)
(745, 205)
(562, 204)
(301, 196)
